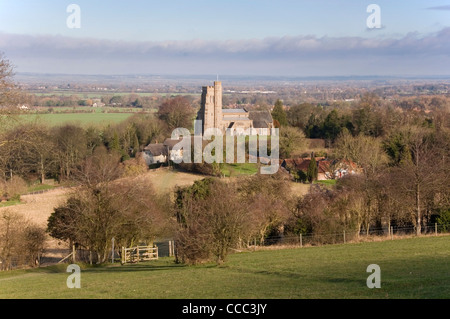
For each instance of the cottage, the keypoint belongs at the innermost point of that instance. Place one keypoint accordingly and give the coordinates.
(160, 153)
(327, 169)
(301, 164)
(155, 154)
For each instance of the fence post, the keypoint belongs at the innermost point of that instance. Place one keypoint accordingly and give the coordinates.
(435, 229)
(123, 255)
(112, 251)
(74, 254)
(137, 251)
(344, 236)
(392, 232)
(301, 241)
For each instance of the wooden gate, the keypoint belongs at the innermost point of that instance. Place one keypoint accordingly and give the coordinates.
(139, 253)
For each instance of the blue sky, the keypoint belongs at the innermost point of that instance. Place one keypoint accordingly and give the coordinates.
(260, 37)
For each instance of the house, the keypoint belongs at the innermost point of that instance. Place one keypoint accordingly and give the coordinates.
(342, 168)
(301, 164)
(327, 169)
(155, 154)
(174, 154)
(160, 153)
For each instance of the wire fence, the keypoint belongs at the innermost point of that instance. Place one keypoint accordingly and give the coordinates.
(347, 236)
(42, 191)
(166, 246)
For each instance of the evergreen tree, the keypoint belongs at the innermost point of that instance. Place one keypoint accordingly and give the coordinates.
(135, 144)
(279, 114)
(313, 171)
(332, 126)
(115, 145)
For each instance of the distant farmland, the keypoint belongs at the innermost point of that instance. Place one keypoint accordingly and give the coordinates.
(79, 118)
(93, 95)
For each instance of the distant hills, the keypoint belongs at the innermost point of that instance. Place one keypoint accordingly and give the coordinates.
(23, 77)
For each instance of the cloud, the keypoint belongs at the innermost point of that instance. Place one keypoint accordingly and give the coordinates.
(439, 8)
(413, 52)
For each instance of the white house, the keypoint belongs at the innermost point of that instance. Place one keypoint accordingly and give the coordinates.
(155, 154)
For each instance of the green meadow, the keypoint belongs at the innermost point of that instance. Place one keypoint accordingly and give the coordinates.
(55, 119)
(414, 268)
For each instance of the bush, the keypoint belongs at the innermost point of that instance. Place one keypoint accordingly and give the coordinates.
(211, 220)
(21, 243)
(135, 166)
(33, 238)
(13, 188)
(444, 220)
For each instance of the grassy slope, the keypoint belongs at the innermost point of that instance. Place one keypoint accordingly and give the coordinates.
(410, 268)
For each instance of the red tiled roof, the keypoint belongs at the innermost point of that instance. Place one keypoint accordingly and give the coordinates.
(302, 164)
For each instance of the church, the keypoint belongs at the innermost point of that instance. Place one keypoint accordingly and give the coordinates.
(213, 115)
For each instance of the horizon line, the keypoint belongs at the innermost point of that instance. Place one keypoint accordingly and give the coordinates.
(395, 76)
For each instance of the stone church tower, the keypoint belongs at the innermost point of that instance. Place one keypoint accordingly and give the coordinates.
(211, 106)
(213, 116)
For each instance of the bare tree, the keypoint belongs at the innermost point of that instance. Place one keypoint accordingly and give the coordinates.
(104, 207)
(21, 242)
(211, 221)
(291, 139)
(71, 145)
(177, 112)
(269, 201)
(8, 92)
(417, 180)
(368, 154)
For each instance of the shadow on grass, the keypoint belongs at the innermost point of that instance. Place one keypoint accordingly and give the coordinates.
(132, 268)
(285, 274)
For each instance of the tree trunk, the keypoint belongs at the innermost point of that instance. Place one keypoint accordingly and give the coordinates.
(42, 171)
(419, 217)
(418, 211)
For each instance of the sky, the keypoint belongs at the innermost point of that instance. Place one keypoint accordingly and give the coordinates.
(230, 37)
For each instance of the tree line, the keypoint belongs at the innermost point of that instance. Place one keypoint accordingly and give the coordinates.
(370, 115)
(403, 156)
(215, 216)
(33, 150)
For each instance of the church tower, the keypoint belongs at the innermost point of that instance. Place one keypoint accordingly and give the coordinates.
(211, 107)
(218, 105)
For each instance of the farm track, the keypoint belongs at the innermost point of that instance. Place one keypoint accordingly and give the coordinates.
(37, 207)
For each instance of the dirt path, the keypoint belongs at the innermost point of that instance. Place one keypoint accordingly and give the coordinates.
(37, 208)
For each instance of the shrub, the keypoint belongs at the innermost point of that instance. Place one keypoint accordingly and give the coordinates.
(211, 220)
(444, 220)
(13, 188)
(21, 243)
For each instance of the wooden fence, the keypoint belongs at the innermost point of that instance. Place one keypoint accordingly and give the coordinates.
(139, 253)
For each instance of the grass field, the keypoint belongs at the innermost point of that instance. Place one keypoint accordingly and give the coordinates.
(79, 118)
(93, 95)
(89, 109)
(237, 169)
(410, 268)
